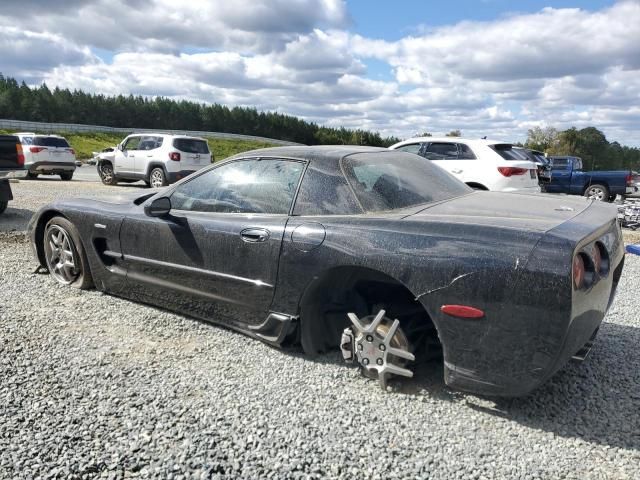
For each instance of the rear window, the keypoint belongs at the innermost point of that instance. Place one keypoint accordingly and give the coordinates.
(50, 142)
(188, 145)
(559, 163)
(506, 151)
(393, 181)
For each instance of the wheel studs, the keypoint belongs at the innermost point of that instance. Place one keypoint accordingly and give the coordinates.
(369, 338)
(360, 347)
(365, 361)
(379, 361)
(382, 347)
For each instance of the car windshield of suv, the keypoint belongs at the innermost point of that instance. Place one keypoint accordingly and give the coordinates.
(188, 145)
(389, 181)
(50, 142)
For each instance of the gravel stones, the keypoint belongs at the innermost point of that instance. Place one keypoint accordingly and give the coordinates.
(93, 386)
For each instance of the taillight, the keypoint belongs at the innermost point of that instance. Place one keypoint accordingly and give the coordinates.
(578, 271)
(20, 154)
(73, 152)
(510, 171)
(36, 149)
(175, 156)
(629, 179)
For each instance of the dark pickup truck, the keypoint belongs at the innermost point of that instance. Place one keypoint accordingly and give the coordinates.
(11, 166)
(567, 176)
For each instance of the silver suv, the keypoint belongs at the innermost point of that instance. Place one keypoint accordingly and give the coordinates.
(157, 158)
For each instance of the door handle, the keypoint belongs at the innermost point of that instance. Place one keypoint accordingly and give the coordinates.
(456, 170)
(132, 155)
(255, 235)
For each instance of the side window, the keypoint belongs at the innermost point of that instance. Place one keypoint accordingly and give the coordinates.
(559, 164)
(132, 144)
(244, 186)
(441, 151)
(465, 153)
(411, 148)
(27, 140)
(325, 192)
(148, 143)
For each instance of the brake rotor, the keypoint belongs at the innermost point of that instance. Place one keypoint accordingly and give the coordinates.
(379, 345)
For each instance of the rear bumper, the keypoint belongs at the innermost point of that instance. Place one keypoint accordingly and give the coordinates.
(52, 167)
(173, 177)
(5, 175)
(521, 344)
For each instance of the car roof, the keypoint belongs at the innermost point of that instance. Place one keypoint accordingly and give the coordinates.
(466, 141)
(329, 154)
(160, 134)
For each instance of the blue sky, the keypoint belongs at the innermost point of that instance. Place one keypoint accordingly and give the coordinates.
(486, 67)
(392, 20)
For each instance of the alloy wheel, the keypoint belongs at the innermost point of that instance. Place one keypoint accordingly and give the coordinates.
(61, 255)
(595, 193)
(106, 171)
(157, 179)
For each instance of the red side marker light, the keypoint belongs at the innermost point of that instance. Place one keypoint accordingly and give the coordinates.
(462, 311)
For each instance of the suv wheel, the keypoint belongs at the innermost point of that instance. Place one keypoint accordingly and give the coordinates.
(157, 178)
(106, 174)
(66, 176)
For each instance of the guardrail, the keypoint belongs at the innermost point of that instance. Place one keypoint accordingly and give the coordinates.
(26, 126)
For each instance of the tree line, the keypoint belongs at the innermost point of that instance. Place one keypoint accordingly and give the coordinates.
(588, 143)
(18, 101)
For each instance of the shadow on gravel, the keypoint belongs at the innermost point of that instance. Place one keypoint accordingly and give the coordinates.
(15, 219)
(597, 401)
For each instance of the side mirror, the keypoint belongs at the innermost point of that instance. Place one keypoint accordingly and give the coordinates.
(160, 207)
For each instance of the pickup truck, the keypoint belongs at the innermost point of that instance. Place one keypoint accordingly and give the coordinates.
(11, 166)
(567, 176)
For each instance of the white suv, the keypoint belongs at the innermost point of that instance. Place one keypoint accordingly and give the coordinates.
(481, 164)
(47, 155)
(157, 158)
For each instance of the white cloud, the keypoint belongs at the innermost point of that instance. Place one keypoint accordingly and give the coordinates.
(561, 67)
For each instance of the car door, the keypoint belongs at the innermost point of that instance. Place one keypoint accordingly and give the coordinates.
(126, 156)
(560, 175)
(216, 255)
(147, 151)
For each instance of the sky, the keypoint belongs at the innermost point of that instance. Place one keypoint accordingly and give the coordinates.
(485, 67)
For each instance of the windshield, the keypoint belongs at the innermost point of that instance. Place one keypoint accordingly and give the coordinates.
(388, 181)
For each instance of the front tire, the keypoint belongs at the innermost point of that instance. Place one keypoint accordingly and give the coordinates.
(597, 192)
(66, 176)
(106, 174)
(157, 178)
(64, 254)
(31, 176)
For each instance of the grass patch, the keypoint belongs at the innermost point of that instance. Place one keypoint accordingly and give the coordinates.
(86, 143)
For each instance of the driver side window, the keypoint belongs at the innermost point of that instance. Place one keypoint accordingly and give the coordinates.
(132, 143)
(244, 186)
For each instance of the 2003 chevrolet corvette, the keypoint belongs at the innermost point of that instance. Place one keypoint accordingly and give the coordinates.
(378, 253)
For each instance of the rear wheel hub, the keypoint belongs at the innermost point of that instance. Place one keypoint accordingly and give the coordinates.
(379, 345)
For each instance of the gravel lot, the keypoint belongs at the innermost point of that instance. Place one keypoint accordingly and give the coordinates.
(98, 387)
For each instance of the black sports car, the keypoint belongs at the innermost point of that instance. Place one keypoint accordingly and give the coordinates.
(376, 252)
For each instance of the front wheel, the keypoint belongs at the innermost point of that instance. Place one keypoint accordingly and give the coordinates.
(66, 176)
(3, 205)
(597, 192)
(157, 178)
(106, 174)
(64, 254)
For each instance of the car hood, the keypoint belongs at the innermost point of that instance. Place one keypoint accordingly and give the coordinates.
(536, 212)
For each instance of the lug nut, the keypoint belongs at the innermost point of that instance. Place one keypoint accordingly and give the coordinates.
(360, 347)
(365, 361)
(379, 361)
(382, 347)
(369, 338)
